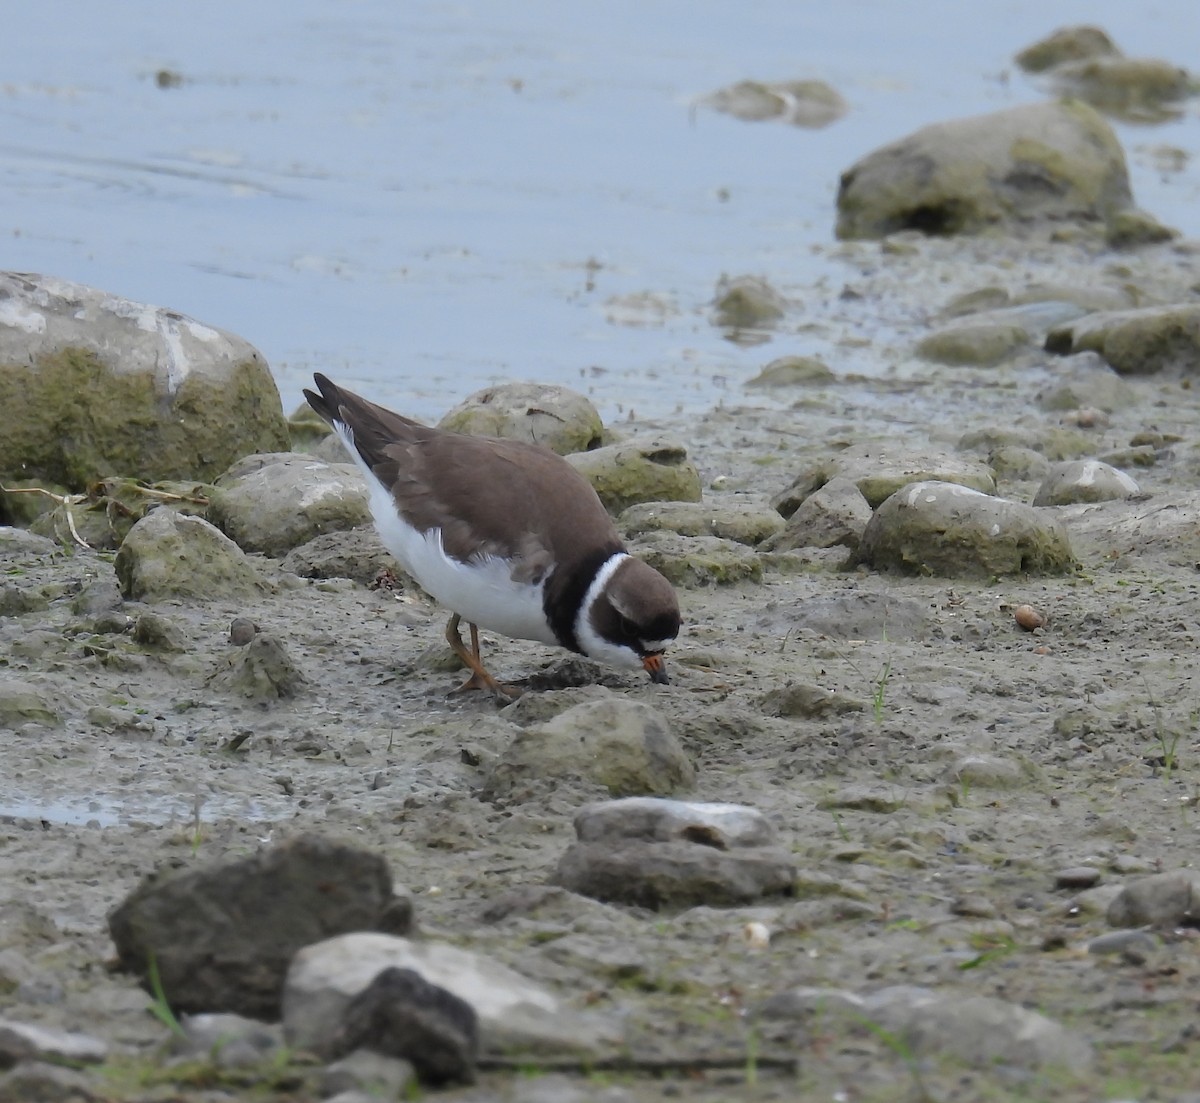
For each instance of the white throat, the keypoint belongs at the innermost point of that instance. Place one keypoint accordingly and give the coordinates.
(594, 645)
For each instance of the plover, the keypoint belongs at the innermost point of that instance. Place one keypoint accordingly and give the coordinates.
(508, 536)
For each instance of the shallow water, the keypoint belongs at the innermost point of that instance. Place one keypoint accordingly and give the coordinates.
(423, 198)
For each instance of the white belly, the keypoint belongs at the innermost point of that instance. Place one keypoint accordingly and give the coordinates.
(482, 593)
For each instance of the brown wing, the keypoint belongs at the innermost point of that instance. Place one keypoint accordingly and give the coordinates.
(488, 496)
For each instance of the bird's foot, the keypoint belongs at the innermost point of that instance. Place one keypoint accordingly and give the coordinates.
(480, 678)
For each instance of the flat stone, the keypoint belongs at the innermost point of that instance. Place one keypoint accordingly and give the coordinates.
(746, 522)
(1136, 342)
(24, 1041)
(1077, 877)
(1161, 900)
(724, 826)
(693, 562)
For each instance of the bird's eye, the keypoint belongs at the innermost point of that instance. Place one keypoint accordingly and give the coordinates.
(628, 627)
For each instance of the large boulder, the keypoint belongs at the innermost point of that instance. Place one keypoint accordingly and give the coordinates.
(92, 384)
(1040, 164)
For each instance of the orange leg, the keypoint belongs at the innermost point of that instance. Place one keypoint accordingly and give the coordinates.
(480, 678)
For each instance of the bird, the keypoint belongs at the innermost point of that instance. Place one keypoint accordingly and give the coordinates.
(508, 536)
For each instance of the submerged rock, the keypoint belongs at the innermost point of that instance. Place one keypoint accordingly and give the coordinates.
(1039, 165)
(1066, 44)
(1140, 90)
(656, 469)
(91, 384)
(793, 371)
(945, 529)
(539, 413)
(809, 103)
(746, 302)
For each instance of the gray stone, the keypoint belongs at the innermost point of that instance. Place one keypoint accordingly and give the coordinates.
(1160, 900)
(373, 1074)
(262, 670)
(22, 702)
(1136, 342)
(222, 935)
(400, 1014)
(746, 522)
(1043, 164)
(801, 700)
(988, 771)
(1129, 944)
(516, 1015)
(868, 797)
(674, 874)
(42, 1082)
(652, 819)
(169, 555)
(625, 746)
(793, 371)
(807, 103)
(746, 302)
(553, 416)
(950, 530)
(1132, 89)
(287, 503)
(693, 562)
(977, 342)
(158, 633)
(20, 544)
(102, 594)
(653, 469)
(358, 554)
(15, 601)
(879, 470)
(230, 1041)
(1012, 461)
(1084, 481)
(25, 1041)
(835, 514)
(199, 397)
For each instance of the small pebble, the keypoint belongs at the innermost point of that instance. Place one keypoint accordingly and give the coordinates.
(242, 631)
(756, 935)
(1077, 877)
(1028, 617)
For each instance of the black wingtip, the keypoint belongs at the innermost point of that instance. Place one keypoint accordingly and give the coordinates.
(324, 403)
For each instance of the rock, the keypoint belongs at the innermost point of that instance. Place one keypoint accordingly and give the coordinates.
(978, 342)
(977, 1031)
(855, 616)
(652, 819)
(1084, 481)
(1066, 44)
(24, 703)
(169, 555)
(692, 562)
(241, 631)
(833, 515)
(229, 1041)
(808, 103)
(100, 595)
(1160, 900)
(801, 700)
(950, 530)
(1054, 442)
(372, 1074)
(285, 504)
(879, 470)
(555, 417)
(25, 1041)
(1134, 946)
(793, 371)
(158, 633)
(746, 302)
(1077, 877)
(19, 544)
(262, 670)
(867, 797)
(674, 874)
(1038, 165)
(41, 1082)
(747, 522)
(1086, 381)
(16, 601)
(986, 771)
(356, 553)
(167, 396)
(1016, 463)
(1136, 342)
(1136, 90)
(655, 469)
(1132, 227)
(624, 746)
(400, 1014)
(222, 935)
(515, 1014)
